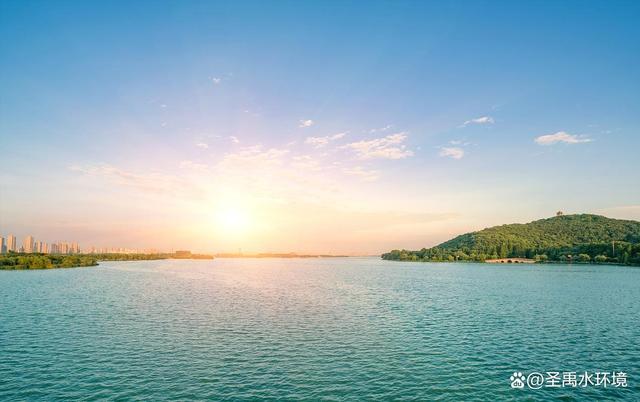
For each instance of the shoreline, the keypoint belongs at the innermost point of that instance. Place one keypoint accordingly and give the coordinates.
(512, 263)
(37, 261)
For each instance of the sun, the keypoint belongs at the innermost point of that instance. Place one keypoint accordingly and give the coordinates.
(233, 220)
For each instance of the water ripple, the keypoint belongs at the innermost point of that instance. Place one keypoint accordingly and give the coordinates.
(316, 329)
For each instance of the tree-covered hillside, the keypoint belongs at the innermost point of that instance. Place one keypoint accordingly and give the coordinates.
(561, 238)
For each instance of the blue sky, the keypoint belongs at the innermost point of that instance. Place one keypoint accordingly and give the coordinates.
(422, 116)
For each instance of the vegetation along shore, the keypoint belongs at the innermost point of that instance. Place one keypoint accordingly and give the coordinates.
(15, 261)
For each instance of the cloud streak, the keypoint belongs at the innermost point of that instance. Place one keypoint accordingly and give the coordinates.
(380, 129)
(451, 152)
(306, 123)
(157, 183)
(319, 142)
(389, 147)
(479, 120)
(365, 175)
(561, 137)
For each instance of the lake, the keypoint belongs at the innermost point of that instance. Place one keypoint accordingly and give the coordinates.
(340, 329)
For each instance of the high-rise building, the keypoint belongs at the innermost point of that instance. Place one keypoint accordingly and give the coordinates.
(3, 245)
(28, 244)
(63, 248)
(12, 245)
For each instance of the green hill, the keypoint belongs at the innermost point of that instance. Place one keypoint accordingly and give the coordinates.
(561, 238)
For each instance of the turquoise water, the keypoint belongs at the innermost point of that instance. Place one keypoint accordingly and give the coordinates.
(307, 329)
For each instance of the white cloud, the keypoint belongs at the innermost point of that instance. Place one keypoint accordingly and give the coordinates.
(202, 145)
(452, 152)
(479, 120)
(234, 139)
(306, 123)
(561, 136)
(366, 175)
(319, 142)
(216, 80)
(389, 147)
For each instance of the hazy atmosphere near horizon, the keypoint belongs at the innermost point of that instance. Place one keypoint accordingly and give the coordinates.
(313, 127)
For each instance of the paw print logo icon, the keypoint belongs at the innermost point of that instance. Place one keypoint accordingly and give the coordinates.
(517, 380)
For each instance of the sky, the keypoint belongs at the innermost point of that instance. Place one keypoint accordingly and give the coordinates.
(337, 127)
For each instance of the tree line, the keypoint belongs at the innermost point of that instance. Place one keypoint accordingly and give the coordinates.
(45, 261)
(13, 260)
(618, 253)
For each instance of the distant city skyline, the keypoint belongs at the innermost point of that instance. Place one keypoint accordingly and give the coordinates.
(30, 244)
(313, 127)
